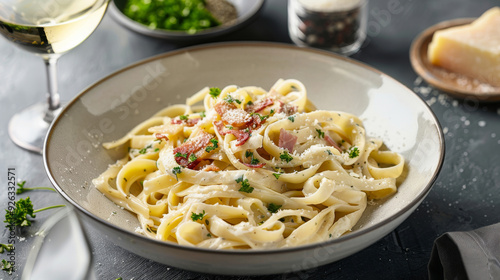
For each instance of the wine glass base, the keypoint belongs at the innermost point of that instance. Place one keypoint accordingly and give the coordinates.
(28, 128)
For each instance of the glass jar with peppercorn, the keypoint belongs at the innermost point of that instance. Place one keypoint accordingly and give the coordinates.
(336, 25)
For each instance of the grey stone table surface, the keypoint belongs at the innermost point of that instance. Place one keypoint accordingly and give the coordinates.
(465, 196)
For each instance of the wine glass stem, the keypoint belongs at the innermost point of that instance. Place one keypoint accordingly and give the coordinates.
(53, 99)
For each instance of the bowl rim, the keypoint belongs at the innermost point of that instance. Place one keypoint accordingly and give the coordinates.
(306, 247)
(140, 28)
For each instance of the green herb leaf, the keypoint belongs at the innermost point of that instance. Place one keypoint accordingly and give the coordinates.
(214, 92)
(192, 158)
(22, 209)
(21, 189)
(6, 247)
(353, 152)
(180, 155)
(277, 175)
(254, 161)
(273, 208)
(195, 217)
(230, 99)
(285, 156)
(176, 171)
(7, 266)
(245, 185)
(321, 134)
(183, 117)
(291, 118)
(215, 142)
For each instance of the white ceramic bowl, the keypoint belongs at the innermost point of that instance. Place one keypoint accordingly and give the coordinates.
(73, 154)
(247, 10)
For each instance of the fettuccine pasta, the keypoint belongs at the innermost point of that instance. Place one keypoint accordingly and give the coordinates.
(249, 169)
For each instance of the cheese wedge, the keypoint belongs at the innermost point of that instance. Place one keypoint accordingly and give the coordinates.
(472, 50)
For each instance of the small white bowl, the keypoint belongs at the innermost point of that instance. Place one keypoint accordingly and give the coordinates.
(247, 10)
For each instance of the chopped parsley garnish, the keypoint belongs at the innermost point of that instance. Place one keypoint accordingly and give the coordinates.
(183, 117)
(202, 114)
(230, 99)
(321, 134)
(214, 92)
(253, 160)
(214, 141)
(329, 152)
(291, 118)
(181, 155)
(157, 149)
(353, 152)
(249, 103)
(192, 158)
(230, 127)
(285, 156)
(277, 175)
(273, 208)
(176, 170)
(143, 150)
(195, 217)
(245, 186)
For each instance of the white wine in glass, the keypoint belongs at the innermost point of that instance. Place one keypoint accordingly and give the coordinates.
(47, 28)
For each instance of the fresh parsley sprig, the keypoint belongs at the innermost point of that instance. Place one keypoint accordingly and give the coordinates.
(7, 266)
(176, 171)
(214, 92)
(215, 145)
(353, 152)
(195, 217)
(285, 156)
(273, 208)
(321, 133)
(6, 247)
(245, 185)
(18, 217)
(21, 189)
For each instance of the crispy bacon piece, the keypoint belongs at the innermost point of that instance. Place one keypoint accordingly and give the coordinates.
(211, 167)
(260, 105)
(287, 140)
(161, 136)
(194, 146)
(222, 107)
(330, 141)
(258, 165)
(188, 122)
(237, 118)
(286, 108)
(242, 136)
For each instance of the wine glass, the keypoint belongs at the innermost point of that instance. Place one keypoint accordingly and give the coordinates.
(47, 28)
